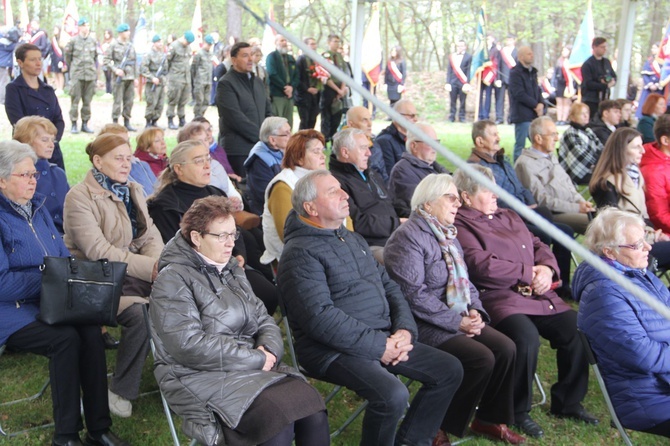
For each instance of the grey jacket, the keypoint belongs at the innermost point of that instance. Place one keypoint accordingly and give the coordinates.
(206, 326)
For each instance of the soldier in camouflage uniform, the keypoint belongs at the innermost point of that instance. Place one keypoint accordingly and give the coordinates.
(120, 58)
(80, 54)
(154, 69)
(202, 77)
(179, 78)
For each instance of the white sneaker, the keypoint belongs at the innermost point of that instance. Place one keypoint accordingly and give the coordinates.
(119, 406)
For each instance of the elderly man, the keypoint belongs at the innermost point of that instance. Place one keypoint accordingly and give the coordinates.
(283, 78)
(391, 140)
(242, 104)
(598, 76)
(370, 204)
(609, 117)
(488, 153)
(353, 326)
(265, 158)
(655, 168)
(525, 96)
(539, 171)
(359, 117)
(417, 163)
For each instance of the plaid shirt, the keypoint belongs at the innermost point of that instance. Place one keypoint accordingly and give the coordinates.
(579, 152)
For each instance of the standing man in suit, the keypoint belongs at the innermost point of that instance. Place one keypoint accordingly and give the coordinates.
(458, 75)
(507, 57)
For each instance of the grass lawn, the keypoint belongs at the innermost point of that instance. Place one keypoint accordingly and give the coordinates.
(22, 374)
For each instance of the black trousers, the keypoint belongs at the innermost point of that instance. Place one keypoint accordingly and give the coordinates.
(488, 380)
(76, 361)
(237, 163)
(573, 368)
(329, 121)
(457, 94)
(308, 110)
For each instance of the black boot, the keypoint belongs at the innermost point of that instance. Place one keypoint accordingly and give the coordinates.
(182, 121)
(85, 128)
(74, 129)
(171, 124)
(126, 124)
(154, 123)
(150, 123)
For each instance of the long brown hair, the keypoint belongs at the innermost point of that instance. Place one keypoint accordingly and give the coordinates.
(613, 161)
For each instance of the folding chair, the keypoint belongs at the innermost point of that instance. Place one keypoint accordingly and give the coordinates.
(166, 407)
(591, 356)
(22, 400)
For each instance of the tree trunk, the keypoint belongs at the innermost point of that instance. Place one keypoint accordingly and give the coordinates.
(234, 25)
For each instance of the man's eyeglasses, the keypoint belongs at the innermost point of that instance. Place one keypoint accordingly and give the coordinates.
(224, 236)
(199, 161)
(635, 246)
(410, 115)
(27, 175)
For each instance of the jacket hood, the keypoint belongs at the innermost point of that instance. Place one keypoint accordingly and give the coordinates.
(653, 155)
(297, 228)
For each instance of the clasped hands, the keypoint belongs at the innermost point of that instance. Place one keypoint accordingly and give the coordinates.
(398, 346)
(472, 324)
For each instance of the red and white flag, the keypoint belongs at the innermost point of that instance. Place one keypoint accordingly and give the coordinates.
(69, 25)
(196, 26)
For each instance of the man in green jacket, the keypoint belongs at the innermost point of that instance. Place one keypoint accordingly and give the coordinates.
(154, 69)
(120, 58)
(80, 54)
(179, 78)
(202, 77)
(284, 79)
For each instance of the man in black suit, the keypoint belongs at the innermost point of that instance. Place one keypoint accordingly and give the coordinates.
(458, 75)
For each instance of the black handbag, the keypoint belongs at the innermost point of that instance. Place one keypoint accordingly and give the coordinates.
(80, 292)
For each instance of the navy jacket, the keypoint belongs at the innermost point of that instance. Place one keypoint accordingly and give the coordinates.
(53, 185)
(524, 94)
(392, 145)
(405, 177)
(593, 72)
(21, 100)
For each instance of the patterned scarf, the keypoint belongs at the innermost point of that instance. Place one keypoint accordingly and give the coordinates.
(122, 192)
(633, 171)
(458, 283)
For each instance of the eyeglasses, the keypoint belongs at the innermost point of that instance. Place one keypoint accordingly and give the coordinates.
(199, 161)
(410, 115)
(555, 134)
(224, 236)
(453, 198)
(27, 175)
(635, 246)
(436, 140)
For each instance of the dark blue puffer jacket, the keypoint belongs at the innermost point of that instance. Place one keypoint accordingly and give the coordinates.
(630, 340)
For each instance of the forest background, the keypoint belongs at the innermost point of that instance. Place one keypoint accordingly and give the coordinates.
(425, 29)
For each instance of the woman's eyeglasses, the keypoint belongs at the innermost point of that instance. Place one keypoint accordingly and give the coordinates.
(224, 236)
(27, 175)
(199, 161)
(635, 246)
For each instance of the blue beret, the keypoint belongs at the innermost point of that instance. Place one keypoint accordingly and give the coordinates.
(209, 39)
(82, 21)
(188, 35)
(156, 38)
(122, 28)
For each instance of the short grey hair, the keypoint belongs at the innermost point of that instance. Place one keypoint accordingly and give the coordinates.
(466, 183)
(537, 127)
(11, 153)
(431, 188)
(305, 190)
(607, 229)
(270, 127)
(413, 137)
(401, 103)
(345, 138)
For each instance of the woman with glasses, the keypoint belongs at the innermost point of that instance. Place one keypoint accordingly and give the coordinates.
(617, 182)
(186, 179)
(28, 95)
(40, 134)
(424, 257)
(264, 161)
(628, 337)
(218, 352)
(516, 275)
(106, 217)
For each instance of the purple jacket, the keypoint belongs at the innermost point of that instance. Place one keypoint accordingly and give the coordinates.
(414, 261)
(500, 253)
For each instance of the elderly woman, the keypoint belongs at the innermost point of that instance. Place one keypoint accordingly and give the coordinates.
(629, 339)
(218, 352)
(151, 149)
(416, 163)
(515, 274)
(215, 150)
(653, 107)
(580, 148)
(424, 257)
(617, 182)
(264, 161)
(28, 95)
(106, 217)
(40, 134)
(304, 152)
(76, 354)
(186, 179)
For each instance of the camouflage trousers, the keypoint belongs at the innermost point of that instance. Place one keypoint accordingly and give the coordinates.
(155, 98)
(83, 91)
(124, 94)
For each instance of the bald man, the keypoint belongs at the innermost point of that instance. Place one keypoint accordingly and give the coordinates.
(359, 118)
(525, 97)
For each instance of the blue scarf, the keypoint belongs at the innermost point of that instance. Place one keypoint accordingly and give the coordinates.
(122, 192)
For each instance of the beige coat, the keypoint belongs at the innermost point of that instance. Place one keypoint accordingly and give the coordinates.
(97, 226)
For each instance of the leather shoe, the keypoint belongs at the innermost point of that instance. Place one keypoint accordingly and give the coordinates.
(441, 439)
(529, 427)
(498, 432)
(76, 442)
(109, 438)
(110, 342)
(580, 415)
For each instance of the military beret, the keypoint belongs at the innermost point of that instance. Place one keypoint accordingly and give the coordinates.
(209, 39)
(188, 35)
(82, 21)
(156, 38)
(122, 28)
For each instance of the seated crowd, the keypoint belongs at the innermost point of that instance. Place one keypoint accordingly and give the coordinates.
(385, 264)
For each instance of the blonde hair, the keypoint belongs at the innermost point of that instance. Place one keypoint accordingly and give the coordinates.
(25, 130)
